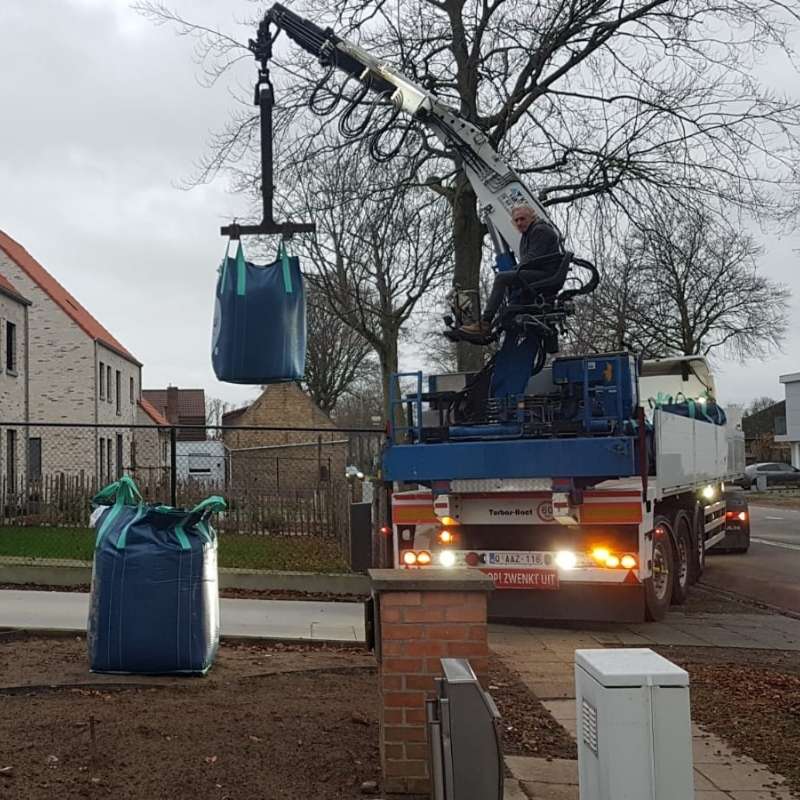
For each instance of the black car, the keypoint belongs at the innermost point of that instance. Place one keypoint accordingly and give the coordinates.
(737, 523)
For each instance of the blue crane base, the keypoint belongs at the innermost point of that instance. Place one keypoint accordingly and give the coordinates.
(586, 457)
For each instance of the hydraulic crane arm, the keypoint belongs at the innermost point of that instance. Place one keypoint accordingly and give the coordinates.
(497, 186)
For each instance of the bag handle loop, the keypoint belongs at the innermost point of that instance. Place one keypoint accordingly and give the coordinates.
(283, 255)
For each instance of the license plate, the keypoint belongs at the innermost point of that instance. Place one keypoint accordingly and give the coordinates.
(546, 579)
(514, 558)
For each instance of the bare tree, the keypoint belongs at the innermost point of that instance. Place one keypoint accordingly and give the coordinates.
(704, 292)
(215, 410)
(758, 404)
(362, 407)
(337, 356)
(379, 248)
(631, 104)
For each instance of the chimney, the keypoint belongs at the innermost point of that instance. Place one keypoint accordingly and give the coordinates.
(172, 405)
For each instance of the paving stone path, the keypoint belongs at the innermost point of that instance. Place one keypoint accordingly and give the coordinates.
(544, 660)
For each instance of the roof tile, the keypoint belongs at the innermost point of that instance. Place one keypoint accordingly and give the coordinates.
(7, 289)
(152, 412)
(42, 278)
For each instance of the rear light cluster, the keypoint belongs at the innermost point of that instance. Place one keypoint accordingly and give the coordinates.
(605, 558)
(413, 558)
(740, 515)
(422, 558)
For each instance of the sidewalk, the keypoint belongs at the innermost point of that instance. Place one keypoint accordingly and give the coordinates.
(544, 660)
(294, 620)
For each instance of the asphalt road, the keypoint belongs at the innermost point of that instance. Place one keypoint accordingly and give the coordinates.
(770, 571)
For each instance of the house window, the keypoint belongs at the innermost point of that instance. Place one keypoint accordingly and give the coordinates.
(108, 383)
(199, 464)
(108, 459)
(11, 348)
(102, 381)
(11, 458)
(102, 459)
(118, 388)
(35, 458)
(119, 454)
(132, 393)
(133, 455)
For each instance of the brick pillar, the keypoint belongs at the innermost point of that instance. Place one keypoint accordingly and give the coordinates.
(422, 616)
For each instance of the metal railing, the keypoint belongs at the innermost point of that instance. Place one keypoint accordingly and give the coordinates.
(288, 490)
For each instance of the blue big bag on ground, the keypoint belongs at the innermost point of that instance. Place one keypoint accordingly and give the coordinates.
(154, 604)
(259, 333)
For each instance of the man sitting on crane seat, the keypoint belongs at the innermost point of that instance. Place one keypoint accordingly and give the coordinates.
(539, 238)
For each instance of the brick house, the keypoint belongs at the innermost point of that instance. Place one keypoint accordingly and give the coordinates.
(14, 385)
(150, 457)
(180, 407)
(284, 460)
(78, 373)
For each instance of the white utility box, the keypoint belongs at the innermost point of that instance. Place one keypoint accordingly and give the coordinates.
(633, 726)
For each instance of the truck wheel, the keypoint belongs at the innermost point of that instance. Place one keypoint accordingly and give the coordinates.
(685, 554)
(699, 560)
(658, 587)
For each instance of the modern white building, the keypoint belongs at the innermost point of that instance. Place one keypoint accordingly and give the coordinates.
(791, 384)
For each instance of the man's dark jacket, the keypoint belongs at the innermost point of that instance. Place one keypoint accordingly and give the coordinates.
(539, 239)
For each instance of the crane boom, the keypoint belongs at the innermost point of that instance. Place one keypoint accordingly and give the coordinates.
(497, 185)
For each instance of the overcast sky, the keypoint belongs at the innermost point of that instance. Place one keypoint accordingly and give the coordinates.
(102, 116)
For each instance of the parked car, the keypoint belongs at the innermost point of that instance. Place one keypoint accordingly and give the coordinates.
(737, 523)
(776, 474)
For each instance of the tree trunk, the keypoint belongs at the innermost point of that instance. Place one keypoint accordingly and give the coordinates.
(468, 239)
(387, 355)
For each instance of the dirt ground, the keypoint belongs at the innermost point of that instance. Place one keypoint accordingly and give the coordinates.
(528, 729)
(750, 698)
(789, 499)
(266, 722)
(710, 601)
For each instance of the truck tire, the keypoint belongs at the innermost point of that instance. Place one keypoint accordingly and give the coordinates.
(658, 587)
(685, 553)
(698, 529)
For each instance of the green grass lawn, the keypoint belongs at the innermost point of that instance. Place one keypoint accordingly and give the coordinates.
(301, 553)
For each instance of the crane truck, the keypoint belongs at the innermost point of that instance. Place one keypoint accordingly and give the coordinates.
(588, 486)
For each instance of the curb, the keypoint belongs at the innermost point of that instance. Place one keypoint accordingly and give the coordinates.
(9, 634)
(80, 573)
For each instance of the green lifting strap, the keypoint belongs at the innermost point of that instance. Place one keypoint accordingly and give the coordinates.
(123, 537)
(123, 490)
(241, 271)
(213, 503)
(287, 275)
(182, 537)
(110, 517)
(206, 531)
(223, 267)
(210, 504)
(661, 399)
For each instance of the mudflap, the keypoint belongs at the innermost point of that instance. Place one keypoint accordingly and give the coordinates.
(573, 602)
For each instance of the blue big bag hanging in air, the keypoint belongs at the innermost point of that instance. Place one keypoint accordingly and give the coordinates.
(154, 605)
(259, 331)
